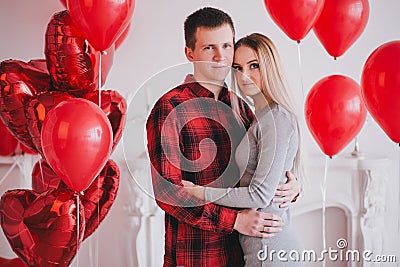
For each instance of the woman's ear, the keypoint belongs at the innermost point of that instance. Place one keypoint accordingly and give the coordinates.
(189, 53)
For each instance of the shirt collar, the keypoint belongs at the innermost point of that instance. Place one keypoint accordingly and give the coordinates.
(201, 91)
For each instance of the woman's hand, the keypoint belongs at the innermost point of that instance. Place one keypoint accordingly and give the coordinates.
(287, 193)
(196, 190)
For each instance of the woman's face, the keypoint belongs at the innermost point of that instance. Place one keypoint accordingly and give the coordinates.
(248, 73)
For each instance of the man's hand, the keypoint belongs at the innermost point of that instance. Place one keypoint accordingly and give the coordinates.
(286, 193)
(196, 190)
(253, 223)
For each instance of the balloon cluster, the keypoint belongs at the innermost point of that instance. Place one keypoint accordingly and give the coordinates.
(55, 107)
(337, 24)
(334, 108)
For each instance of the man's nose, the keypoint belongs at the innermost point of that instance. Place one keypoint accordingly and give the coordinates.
(219, 55)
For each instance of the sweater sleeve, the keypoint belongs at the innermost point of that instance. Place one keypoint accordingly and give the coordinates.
(273, 136)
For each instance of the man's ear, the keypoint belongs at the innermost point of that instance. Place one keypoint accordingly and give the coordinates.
(189, 53)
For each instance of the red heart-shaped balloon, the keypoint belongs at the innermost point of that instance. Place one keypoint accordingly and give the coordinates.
(19, 82)
(17, 262)
(44, 178)
(36, 111)
(23, 108)
(114, 105)
(42, 228)
(100, 196)
(73, 64)
(97, 199)
(8, 143)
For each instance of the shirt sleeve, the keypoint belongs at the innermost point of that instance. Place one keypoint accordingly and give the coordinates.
(164, 152)
(273, 133)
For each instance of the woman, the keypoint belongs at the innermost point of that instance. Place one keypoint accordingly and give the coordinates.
(269, 149)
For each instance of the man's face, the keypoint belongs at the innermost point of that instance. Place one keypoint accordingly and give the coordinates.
(213, 53)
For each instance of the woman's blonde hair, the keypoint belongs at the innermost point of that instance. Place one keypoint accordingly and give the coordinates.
(273, 83)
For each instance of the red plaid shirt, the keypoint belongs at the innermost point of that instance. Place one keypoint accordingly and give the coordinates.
(192, 136)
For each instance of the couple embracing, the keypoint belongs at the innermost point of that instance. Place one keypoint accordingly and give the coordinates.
(224, 173)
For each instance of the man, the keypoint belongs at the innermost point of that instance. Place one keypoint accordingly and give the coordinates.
(192, 135)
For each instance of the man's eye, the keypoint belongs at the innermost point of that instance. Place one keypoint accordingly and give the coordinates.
(208, 48)
(227, 46)
(254, 66)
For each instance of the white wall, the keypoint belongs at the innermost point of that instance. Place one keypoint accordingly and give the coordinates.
(155, 43)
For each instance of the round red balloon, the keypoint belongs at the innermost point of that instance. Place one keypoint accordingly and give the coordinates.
(340, 24)
(294, 17)
(101, 21)
(335, 112)
(76, 141)
(381, 87)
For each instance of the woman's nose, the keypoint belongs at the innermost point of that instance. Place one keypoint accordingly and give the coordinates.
(245, 75)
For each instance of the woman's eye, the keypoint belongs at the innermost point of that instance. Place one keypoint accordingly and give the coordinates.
(254, 66)
(237, 68)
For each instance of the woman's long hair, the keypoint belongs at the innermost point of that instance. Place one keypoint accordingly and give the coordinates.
(273, 84)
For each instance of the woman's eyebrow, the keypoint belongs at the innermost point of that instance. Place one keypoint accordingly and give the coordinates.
(251, 61)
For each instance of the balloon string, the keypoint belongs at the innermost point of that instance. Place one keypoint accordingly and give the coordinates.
(95, 257)
(398, 218)
(12, 167)
(93, 252)
(323, 188)
(300, 69)
(96, 249)
(77, 230)
(100, 66)
(41, 173)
